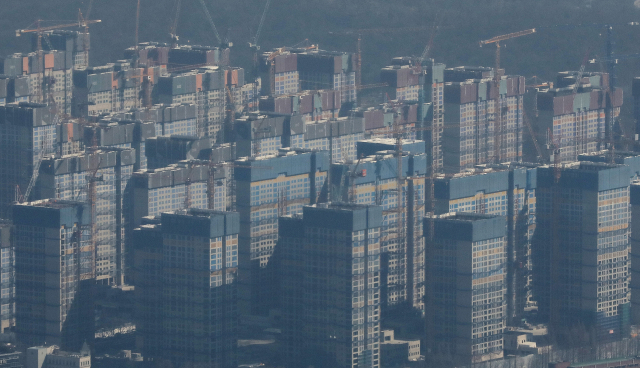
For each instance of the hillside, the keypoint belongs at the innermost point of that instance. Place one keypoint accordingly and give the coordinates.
(464, 23)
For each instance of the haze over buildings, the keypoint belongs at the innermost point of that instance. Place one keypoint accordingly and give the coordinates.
(177, 206)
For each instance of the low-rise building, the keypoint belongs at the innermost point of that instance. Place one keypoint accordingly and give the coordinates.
(53, 357)
(10, 357)
(518, 343)
(395, 352)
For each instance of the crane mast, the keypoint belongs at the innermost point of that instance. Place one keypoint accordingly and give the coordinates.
(497, 142)
(39, 30)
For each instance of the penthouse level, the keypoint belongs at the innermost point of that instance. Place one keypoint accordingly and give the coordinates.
(312, 105)
(157, 53)
(121, 134)
(179, 119)
(166, 150)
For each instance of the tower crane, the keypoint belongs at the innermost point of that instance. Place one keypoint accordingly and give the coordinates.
(367, 31)
(579, 128)
(612, 60)
(499, 39)
(253, 44)
(224, 44)
(137, 40)
(496, 79)
(174, 26)
(85, 44)
(39, 30)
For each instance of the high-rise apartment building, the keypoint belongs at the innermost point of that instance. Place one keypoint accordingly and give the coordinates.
(68, 177)
(50, 79)
(507, 190)
(186, 291)
(373, 180)
(176, 187)
(339, 136)
(166, 189)
(7, 278)
(288, 70)
(264, 134)
(268, 187)
(485, 118)
(330, 280)
(205, 88)
(466, 286)
(27, 131)
(576, 121)
(213, 90)
(13, 88)
(55, 273)
(114, 87)
(581, 249)
(403, 79)
(76, 45)
(423, 85)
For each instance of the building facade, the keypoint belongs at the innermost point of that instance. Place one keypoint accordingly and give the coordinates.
(186, 296)
(68, 177)
(55, 273)
(126, 134)
(577, 121)
(581, 249)
(373, 180)
(268, 187)
(288, 70)
(507, 190)
(634, 254)
(27, 132)
(7, 278)
(330, 281)
(484, 117)
(466, 257)
(52, 357)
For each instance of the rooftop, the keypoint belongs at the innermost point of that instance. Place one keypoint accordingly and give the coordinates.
(464, 216)
(52, 203)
